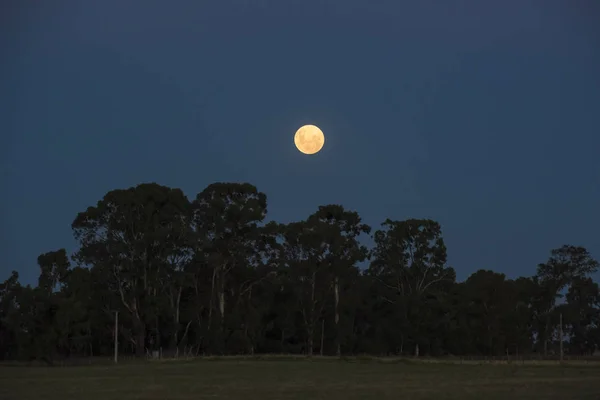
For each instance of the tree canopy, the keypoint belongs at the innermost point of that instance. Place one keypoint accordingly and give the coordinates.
(211, 276)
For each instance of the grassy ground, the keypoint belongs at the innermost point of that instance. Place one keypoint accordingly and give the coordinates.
(300, 379)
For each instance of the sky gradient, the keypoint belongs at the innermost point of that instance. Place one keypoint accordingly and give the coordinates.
(482, 115)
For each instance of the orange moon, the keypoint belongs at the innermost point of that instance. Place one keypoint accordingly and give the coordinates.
(309, 139)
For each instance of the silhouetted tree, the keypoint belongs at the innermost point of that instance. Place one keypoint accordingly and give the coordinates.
(409, 261)
(211, 276)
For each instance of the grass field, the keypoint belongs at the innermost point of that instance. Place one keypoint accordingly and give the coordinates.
(300, 379)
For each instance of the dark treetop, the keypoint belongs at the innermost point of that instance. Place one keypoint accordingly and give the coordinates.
(211, 276)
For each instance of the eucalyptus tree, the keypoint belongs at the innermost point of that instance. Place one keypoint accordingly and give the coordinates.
(9, 290)
(582, 315)
(564, 266)
(304, 263)
(409, 263)
(127, 237)
(339, 231)
(232, 242)
(212, 273)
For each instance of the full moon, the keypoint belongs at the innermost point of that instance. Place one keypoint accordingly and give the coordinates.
(309, 139)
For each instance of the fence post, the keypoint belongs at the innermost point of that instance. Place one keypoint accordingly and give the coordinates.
(116, 335)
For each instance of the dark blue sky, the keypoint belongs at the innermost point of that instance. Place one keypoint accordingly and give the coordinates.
(483, 115)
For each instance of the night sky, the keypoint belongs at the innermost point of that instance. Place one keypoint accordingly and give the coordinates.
(482, 115)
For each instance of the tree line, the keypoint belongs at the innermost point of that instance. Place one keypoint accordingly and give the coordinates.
(211, 276)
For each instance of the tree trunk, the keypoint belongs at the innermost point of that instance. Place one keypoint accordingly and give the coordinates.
(417, 350)
(140, 338)
(222, 300)
(336, 287)
(309, 341)
(546, 334)
(222, 306)
(322, 335)
(212, 296)
(157, 337)
(311, 320)
(177, 314)
(187, 327)
(249, 338)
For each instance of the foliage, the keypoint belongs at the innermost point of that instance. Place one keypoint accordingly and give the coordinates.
(211, 276)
